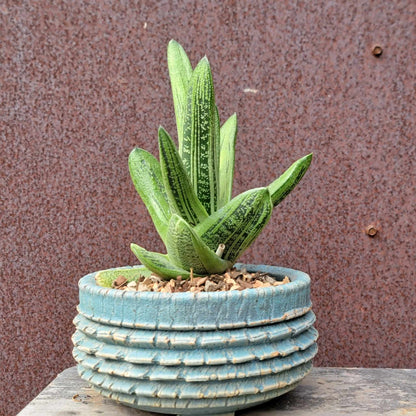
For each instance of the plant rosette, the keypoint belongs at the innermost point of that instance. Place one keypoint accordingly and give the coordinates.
(190, 353)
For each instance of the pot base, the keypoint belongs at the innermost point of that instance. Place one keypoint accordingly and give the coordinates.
(216, 414)
(193, 407)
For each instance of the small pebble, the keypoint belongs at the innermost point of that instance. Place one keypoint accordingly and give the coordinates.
(231, 280)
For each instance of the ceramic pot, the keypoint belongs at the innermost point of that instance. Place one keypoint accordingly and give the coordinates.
(208, 353)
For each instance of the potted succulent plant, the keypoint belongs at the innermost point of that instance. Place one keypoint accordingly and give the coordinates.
(203, 350)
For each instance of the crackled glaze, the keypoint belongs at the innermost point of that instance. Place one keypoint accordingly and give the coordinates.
(205, 353)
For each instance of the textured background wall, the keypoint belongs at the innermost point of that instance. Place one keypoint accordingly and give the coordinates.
(82, 83)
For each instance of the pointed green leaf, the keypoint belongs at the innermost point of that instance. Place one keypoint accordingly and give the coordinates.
(201, 137)
(282, 186)
(158, 263)
(147, 179)
(180, 72)
(238, 223)
(228, 135)
(181, 196)
(187, 250)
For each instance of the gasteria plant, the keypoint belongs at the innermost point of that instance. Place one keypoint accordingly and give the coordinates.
(188, 192)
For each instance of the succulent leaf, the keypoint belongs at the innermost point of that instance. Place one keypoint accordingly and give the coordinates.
(251, 229)
(180, 193)
(158, 263)
(201, 137)
(187, 250)
(228, 134)
(237, 223)
(283, 185)
(147, 179)
(180, 73)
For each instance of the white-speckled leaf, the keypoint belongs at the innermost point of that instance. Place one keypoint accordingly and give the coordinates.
(281, 187)
(180, 72)
(187, 250)
(158, 263)
(238, 223)
(147, 179)
(180, 193)
(201, 137)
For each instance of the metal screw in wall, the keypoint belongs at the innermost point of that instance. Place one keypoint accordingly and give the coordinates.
(371, 230)
(377, 51)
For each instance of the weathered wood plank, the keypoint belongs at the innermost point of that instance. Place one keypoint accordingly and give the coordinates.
(348, 391)
(325, 392)
(68, 395)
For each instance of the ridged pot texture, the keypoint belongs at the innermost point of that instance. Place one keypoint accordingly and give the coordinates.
(196, 353)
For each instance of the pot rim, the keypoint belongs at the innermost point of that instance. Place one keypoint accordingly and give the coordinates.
(298, 280)
(204, 311)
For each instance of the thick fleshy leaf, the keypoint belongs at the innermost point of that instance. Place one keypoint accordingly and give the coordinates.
(180, 73)
(228, 135)
(147, 179)
(238, 223)
(180, 193)
(201, 137)
(187, 250)
(282, 186)
(158, 263)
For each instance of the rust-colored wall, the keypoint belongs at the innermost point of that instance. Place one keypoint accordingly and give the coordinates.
(82, 83)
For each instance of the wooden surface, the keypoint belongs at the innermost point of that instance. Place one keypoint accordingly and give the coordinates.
(324, 392)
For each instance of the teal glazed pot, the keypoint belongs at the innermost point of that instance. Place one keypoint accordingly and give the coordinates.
(209, 353)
